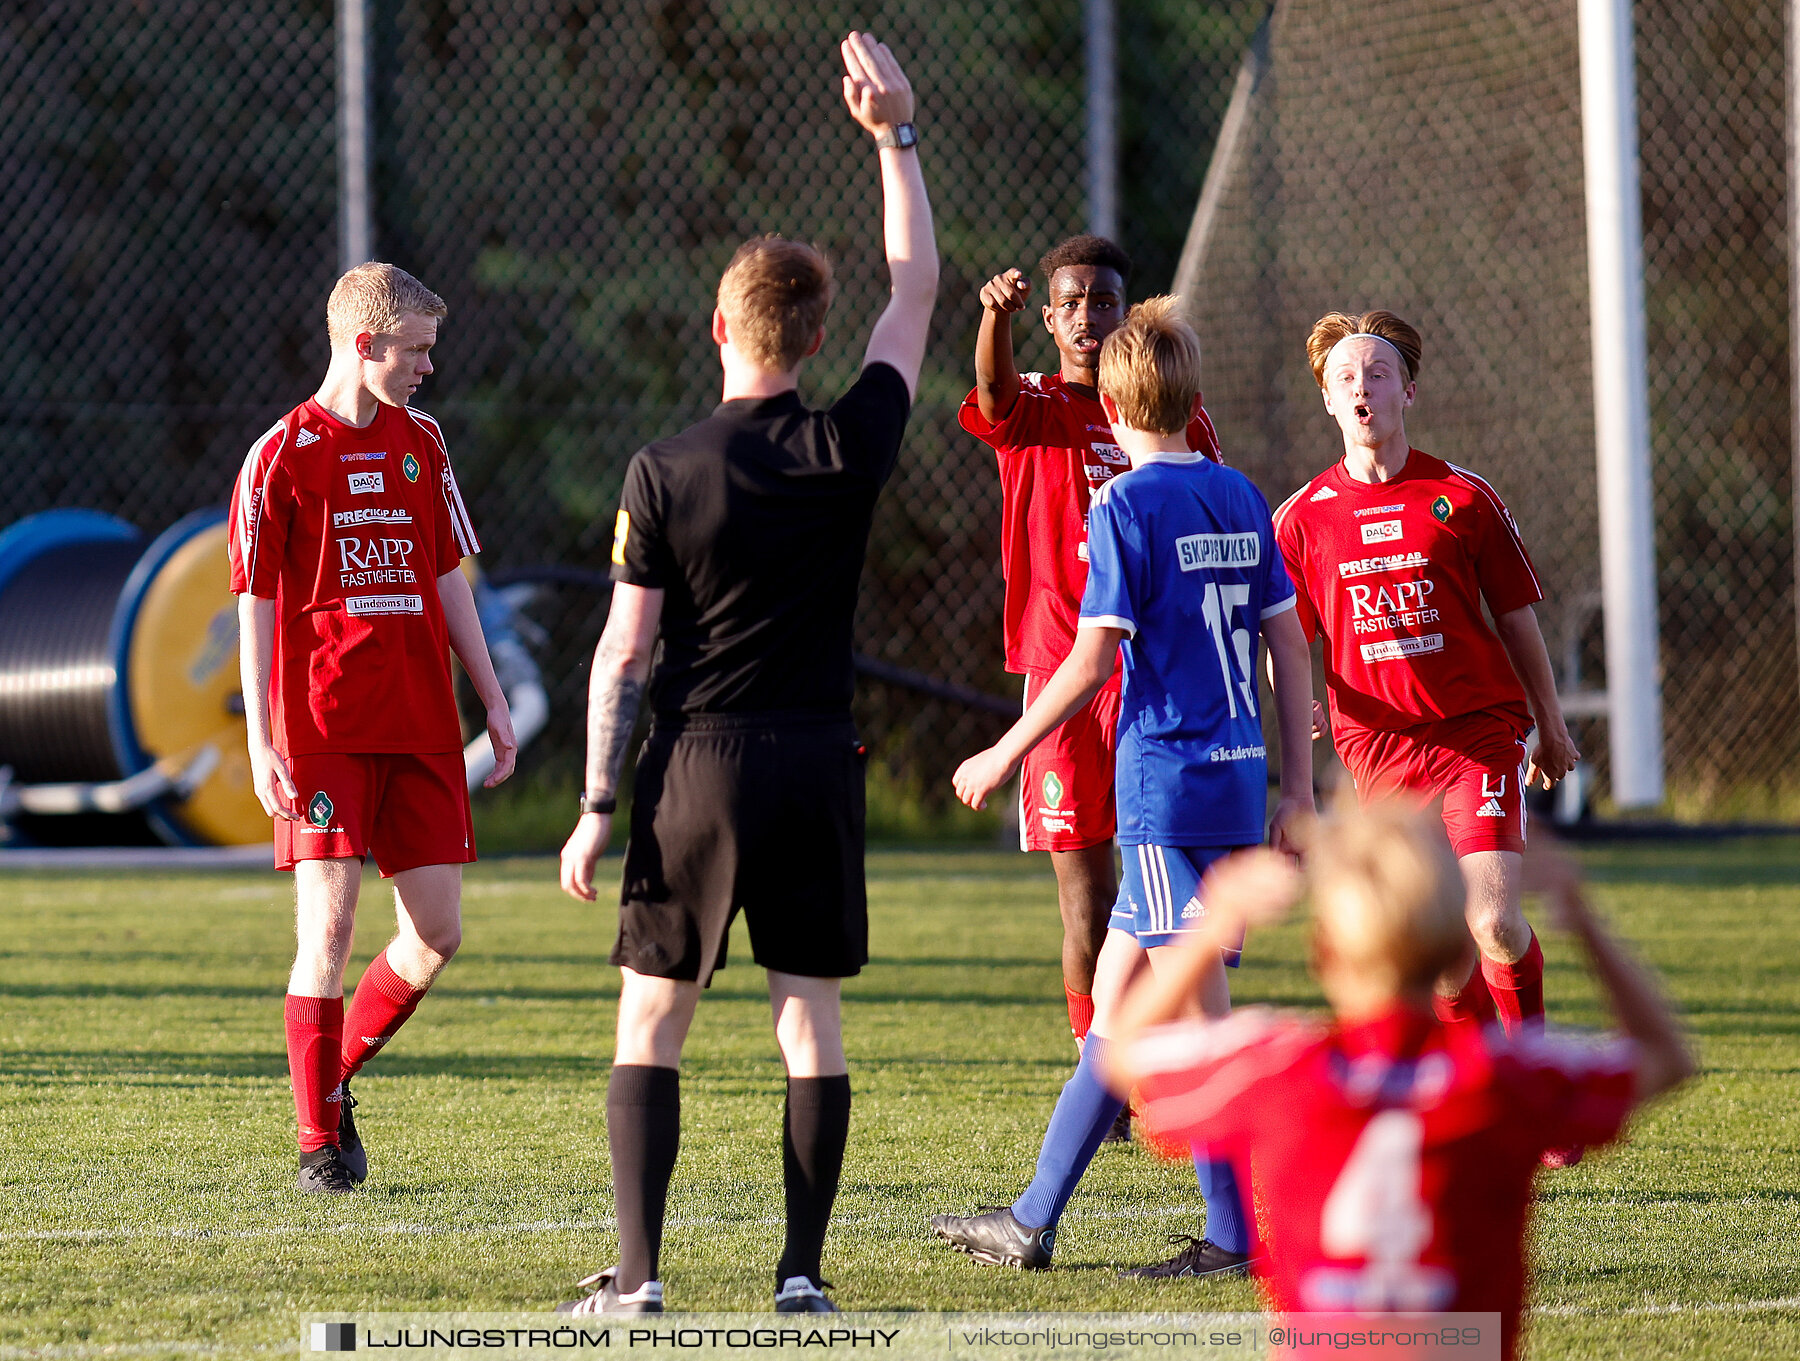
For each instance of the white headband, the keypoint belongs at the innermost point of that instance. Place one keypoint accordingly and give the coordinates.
(1370, 335)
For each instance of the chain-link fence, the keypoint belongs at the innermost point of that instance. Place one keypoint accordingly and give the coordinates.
(571, 175)
(1430, 161)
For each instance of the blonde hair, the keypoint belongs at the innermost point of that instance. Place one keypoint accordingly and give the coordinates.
(1387, 893)
(375, 298)
(1150, 367)
(1335, 326)
(774, 295)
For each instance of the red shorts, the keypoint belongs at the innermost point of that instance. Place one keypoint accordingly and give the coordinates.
(1475, 763)
(405, 810)
(1066, 783)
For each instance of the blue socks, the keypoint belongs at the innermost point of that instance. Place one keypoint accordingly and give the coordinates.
(1224, 1209)
(1083, 1114)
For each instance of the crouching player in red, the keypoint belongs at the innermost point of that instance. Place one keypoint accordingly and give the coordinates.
(1056, 449)
(1391, 1156)
(1393, 553)
(347, 535)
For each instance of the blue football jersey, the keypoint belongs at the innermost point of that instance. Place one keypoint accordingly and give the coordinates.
(1182, 556)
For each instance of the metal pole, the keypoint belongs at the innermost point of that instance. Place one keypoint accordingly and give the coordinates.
(1102, 119)
(355, 127)
(1793, 179)
(1621, 401)
(1225, 154)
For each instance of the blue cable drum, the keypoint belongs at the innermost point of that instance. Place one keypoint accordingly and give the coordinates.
(83, 603)
(60, 577)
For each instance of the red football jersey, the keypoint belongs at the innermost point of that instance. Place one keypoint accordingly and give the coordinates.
(1394, 573)
(347, 531)
(1055, 447)
(1391, 1161)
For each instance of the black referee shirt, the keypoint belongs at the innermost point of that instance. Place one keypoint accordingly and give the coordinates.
(754, 523)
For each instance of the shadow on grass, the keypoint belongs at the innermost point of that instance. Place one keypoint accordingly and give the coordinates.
(31, 1067)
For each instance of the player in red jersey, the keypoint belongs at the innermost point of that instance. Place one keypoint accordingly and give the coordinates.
(1391, 1155)
(347, 537)
(1055, 448)
(1394, 553)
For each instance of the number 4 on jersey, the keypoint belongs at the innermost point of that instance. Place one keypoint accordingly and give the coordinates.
(1375, 1212)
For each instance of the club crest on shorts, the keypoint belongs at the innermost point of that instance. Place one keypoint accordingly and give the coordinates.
(1053, 790)
(410, 466)
(1440, 510)
(319, 811)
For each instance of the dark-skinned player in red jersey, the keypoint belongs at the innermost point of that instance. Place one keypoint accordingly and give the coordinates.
(1054, 447)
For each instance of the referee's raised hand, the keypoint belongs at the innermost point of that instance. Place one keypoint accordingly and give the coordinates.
(876, 89)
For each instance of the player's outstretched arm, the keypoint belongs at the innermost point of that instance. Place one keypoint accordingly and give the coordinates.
(615, 693)
(1663, 1057)
(1088, 666)
(1255, 887)
(469, 643)
(1524, 643)
(881, 99)
(1290, 674)
(256, 654)
(996, 371)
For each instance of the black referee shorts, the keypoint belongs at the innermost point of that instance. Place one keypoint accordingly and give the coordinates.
(761, 813)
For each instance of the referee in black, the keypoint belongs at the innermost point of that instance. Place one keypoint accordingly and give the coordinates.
(741, 541)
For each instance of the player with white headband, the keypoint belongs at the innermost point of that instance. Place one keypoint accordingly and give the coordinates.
(1393, 553)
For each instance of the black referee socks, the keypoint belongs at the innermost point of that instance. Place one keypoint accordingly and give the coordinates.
(643, 1130)
(812, 1155)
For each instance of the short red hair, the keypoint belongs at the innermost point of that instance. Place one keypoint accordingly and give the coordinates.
(1335, 326)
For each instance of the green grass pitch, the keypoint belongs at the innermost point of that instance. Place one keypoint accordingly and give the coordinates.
(146, 1168)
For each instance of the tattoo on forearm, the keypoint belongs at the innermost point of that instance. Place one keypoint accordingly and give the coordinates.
(613, 702)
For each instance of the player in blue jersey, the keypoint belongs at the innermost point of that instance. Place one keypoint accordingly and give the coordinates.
(1184, 573)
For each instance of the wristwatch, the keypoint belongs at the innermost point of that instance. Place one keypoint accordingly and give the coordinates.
(590, 804)
(901, 136)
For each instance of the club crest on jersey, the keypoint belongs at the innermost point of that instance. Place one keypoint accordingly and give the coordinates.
(410, 466)
(1053, 790)
(1440, 510)
(319, 811)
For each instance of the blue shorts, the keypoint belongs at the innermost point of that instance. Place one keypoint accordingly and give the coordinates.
(1157, 894)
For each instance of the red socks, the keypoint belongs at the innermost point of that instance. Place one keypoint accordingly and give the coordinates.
(315, 1027)
(1474, 1005)
(1081, 1012)
(1518, 989)
(380, 1007)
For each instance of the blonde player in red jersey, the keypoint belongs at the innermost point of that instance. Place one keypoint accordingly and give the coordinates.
(1392, 1155)
(1394, 553)
(347, 537)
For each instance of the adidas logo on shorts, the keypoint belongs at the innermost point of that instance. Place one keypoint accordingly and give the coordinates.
(1490, 809)
(1192, 910)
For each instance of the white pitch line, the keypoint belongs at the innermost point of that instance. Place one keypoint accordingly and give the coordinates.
(1781, 1306)
(209, 1235)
